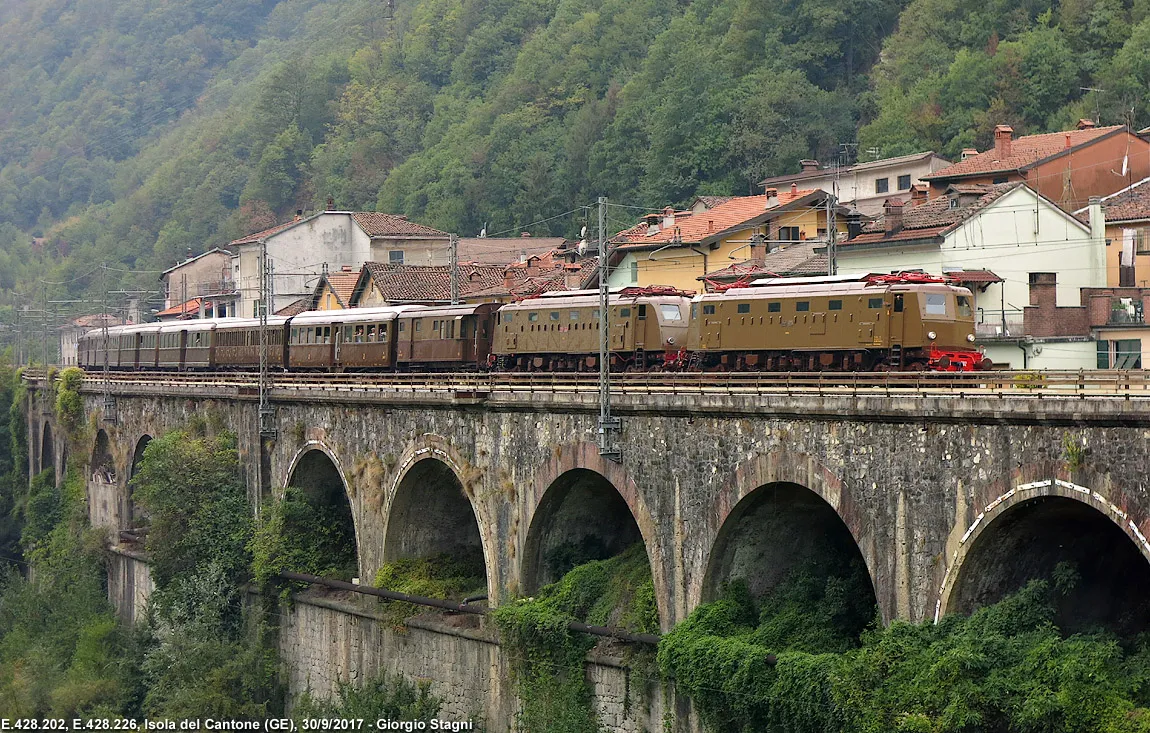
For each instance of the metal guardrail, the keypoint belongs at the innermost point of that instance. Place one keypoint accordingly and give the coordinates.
(1030, 384)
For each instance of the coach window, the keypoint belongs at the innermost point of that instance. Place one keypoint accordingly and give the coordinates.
(802, 306)
(418, 324)
(744, 308)
(327, 334)
(835, 305)
(774, 307)
(874, 303)
(402, 326)
(369, 336)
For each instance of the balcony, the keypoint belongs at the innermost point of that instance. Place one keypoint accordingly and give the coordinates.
(990, 324)
(1125, 312)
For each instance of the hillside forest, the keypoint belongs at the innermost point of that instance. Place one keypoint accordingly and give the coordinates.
(135, 132)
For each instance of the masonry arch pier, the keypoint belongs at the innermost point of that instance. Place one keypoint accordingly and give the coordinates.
(316, 479)
(133, 513)
(1063, 533)
(106, 501)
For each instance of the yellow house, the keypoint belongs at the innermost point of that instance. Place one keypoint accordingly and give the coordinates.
(1127, 236)
(676, 248)
(333, 292)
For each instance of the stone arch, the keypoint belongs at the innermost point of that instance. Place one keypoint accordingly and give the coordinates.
(781, 528)
(47, 448)
(614, 515)
(105, 494)
(778, 468)
(317, 472)
(1024, 533)
(103, 463)
(431, 512)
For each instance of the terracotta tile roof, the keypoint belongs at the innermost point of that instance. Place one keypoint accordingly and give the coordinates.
(253, 238)
(341, 283)
(693, 228)
(781, 261)
(827, 170)
(97, 321)
(295, 307)
(430, 283)
(973, 276)
(935, 217)
(711, 201)
(505, 250)
(183, 309)
(816, 265)
(1024, 152)
(376, 224)
(1129, 204)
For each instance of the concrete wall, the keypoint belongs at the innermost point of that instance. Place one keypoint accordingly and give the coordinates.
(129, 585)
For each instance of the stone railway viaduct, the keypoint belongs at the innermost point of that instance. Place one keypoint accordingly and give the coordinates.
(951, 501)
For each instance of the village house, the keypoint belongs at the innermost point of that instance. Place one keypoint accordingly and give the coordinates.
(990, 238)
(864, 187)
(676, 248)
(300, 250)
(71, 331)
(334, 290)
(1113, 319)
(1127, 215)
(202, 285)
(1065, 167)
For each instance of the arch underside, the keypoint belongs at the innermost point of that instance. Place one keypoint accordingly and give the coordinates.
(430, 515)
(1110, 578)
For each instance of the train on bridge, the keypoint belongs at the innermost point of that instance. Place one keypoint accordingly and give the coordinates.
(904, 322)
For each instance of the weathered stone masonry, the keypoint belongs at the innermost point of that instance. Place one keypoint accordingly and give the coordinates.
(916, 481)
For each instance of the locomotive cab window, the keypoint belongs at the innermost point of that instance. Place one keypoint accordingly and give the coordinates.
(835, 305)
(964, 308)
(744, 308)
(935, 304)
(802, 306)
(670, 312)
(642, 312)
(774, 307)
(898, 304)
(874, 303)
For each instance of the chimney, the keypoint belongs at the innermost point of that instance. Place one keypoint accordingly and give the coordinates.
(892, 216)
(1067, 141)
(345, 268)
(710, 225)
(809, 165)
(918, 194)
(968, 153)
(1097, 242)
(330, 204)
(298, 214)
(854, 224)
(668, 217)
(1085, 124)
(1043, 288)
(772, 198)
(794, 188)
(1002, 137)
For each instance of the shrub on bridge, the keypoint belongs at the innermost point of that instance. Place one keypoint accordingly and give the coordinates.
(386, 697)
(1006, 668)
(302, 535)
(69, 403)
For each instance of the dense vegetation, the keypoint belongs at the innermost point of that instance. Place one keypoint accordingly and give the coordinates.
(133, 132)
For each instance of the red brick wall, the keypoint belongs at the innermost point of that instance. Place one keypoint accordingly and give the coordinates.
(1095, 170)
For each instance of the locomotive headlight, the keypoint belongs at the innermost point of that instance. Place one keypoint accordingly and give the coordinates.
(670, 339)
(931, 335)
(970, 337)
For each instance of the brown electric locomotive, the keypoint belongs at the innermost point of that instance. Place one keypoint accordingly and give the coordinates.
(863, 322)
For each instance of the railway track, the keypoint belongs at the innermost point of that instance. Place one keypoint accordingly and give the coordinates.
(1012, 384)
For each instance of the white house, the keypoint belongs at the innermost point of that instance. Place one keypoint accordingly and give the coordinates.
(299, 251)
(992, 237)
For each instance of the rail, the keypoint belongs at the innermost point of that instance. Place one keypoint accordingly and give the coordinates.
(1127, 384)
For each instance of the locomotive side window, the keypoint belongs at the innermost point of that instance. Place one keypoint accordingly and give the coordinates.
(964, 306)
(708, 310)
(744, 308)
(935, 304)
(671, 312)
(624, 312)
(835, 305)
(555, 315)
(802, 306)
(573, 315)
(506, 317)
(774, 307)
(898, 304)
(642, 312)
(533, 317)
(874, 303)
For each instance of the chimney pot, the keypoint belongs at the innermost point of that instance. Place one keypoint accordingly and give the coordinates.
(1068, 141)
(1003, 135)
(330, 204)
(1085, 124)
(794, 188)
(710, 225)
